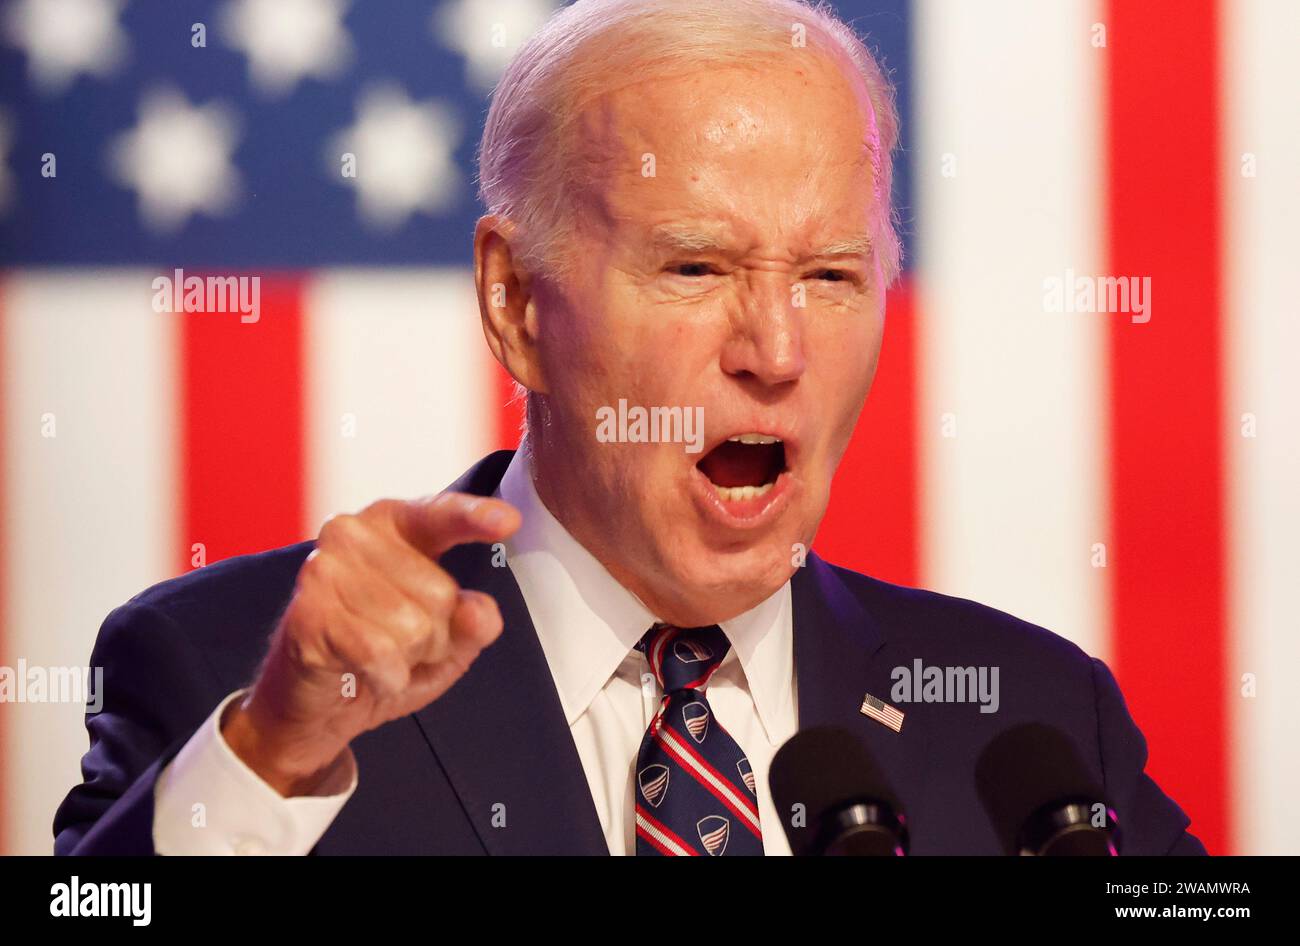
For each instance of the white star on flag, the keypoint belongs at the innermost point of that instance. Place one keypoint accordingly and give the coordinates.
(64, 38)
(403, 156)
(286, 40)
(177, 159)
(488, 32)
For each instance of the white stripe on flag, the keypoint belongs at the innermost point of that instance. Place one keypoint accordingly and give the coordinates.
(1262, 319)
(400, 355)
(91, 508)
(1007, 175)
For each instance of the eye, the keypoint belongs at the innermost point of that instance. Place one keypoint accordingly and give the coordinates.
(690, 269)
(832, 275)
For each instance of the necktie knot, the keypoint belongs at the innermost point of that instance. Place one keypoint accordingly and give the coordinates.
(683, 658)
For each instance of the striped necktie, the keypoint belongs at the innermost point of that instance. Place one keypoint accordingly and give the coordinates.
(695, 791)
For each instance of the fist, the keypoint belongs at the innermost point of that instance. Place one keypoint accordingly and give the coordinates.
(375, 630)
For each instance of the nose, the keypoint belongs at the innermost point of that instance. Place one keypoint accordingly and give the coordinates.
(766, 343)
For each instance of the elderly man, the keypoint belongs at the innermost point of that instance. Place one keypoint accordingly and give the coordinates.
(596, 644)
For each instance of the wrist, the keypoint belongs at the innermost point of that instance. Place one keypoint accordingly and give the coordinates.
(272, 759)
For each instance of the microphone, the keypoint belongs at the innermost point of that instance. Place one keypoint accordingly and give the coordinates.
(1040, 797)
(848, 808)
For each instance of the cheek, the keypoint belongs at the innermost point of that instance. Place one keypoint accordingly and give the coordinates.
(571, 348)
(652, 353)
(844, 371)
(604, 331)
(848, 354)
(872, 344)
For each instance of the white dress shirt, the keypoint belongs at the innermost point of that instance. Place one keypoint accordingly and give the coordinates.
(588, 625)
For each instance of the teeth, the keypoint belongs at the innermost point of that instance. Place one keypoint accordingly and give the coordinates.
(734, 494)
(754, 438)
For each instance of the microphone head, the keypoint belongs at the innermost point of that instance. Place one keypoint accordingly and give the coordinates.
(1025, 776)
(826, 770)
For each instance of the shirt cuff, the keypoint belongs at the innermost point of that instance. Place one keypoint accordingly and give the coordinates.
(208, 801)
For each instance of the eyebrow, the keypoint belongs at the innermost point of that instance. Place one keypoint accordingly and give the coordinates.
(682, 239)
(859, 245)
(677, 238)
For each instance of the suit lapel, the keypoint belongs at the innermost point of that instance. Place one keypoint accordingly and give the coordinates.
(841, 653)
(500, 734)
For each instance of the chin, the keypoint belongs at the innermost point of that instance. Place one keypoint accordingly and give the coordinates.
(721, 585)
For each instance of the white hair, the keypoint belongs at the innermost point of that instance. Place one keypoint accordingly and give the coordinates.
(527, 165)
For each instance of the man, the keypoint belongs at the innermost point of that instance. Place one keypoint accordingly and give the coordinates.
(596, 643)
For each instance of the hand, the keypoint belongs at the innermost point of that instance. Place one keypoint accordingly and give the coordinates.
(375, 630)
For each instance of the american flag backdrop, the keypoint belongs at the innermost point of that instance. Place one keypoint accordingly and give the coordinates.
(1132, 485)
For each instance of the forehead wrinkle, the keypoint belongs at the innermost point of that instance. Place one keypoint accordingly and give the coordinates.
(613, 142)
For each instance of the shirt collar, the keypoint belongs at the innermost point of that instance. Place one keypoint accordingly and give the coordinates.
(587, 623)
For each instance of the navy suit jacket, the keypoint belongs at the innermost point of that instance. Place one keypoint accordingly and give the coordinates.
(430, 782)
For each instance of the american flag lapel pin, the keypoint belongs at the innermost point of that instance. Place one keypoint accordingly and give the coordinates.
(882, 712)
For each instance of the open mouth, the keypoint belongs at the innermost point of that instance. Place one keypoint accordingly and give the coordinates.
(744, 466)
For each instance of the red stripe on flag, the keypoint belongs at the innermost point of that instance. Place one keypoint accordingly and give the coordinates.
(871, 521)
(1166, 476)
(241, 440)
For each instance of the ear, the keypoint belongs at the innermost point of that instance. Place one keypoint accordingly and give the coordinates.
(506, 303)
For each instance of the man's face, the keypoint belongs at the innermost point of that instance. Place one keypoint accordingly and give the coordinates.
(712, 279)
